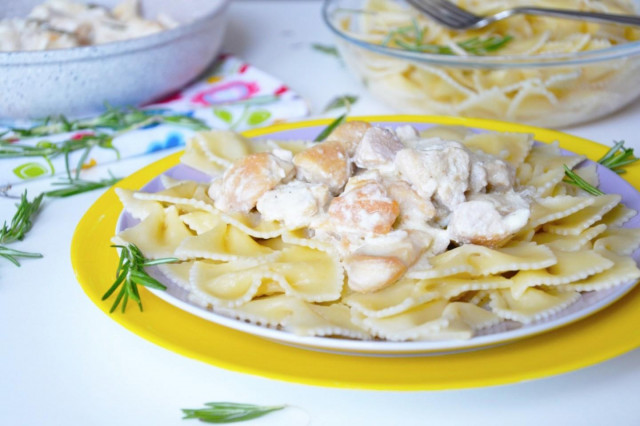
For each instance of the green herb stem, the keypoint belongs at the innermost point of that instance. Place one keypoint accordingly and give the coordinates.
(11, 255)
(573, 178)
(228, 412)
(618, 157)
(330, 128)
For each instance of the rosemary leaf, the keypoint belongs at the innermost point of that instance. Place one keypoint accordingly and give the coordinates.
(326, 49)
(73, 186)
(573, 178)
(131, 273)
(618, 157)
(344, 101)
(327, 130)
(228, 412)
(22, 220)
(11, 255)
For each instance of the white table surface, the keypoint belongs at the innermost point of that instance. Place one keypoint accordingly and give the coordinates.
(64, 362)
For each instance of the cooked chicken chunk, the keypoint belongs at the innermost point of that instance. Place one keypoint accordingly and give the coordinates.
(295, 204)
(499, 175)
(349, 135)
(415, 211)
(488, 219)
(407, 134)
(365, 209)
(440, 170)
(247, 180)
(377, 149)
(372, 273)
(326, 163)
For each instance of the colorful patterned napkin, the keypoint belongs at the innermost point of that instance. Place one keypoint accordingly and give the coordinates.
(234, 95)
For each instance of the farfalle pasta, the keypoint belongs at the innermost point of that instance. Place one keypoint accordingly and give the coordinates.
(381, 233)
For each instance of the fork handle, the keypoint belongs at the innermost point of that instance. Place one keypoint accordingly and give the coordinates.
(606, 18)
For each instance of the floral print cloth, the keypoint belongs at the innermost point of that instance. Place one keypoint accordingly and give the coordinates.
(233, 95)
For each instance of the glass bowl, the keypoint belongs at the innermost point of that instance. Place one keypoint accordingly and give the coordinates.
(549, 90)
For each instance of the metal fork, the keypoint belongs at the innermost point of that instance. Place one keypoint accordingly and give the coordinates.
(450, 15)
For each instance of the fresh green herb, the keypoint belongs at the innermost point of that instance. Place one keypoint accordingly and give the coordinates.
(618, 157)
(228, 412)
(50, 150)
(11, 255)
(573, 178)
(20, 224)
(323, 48)
(73, 186)
(327, 130)
(344, 101)
(120, 120)
(130, 273)
(411, 38)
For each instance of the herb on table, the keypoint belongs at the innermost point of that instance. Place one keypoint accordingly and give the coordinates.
(74, 186)
(330, 128)
(131, 273)
(618, 157)
(573, 178)
(20, 224)
(228, 412)
(326, 49)
(411, 38)
(344, 101)
(120, 120)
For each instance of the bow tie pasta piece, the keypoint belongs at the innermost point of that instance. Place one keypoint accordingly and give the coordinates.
(533, 305)
(548, 209)
(477, 260)
(623, 271)
(618, 216)
(223, 243)
(571, 266)
(569, 242)
(622, 241)
(222, 147)
(196, 158)
(312, 275)
(229, 284)
(309, 319)
(252, 224)
(391, 300)
(187, 196)
(178, 273)
(138, 209)
(201, 221)
(577, 222)
(451, 287)
(158, 235)
(268, 311)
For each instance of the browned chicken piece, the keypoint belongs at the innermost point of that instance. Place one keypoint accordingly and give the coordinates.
(440, 170)
(326, 163)
(491, 173)
(371, 273)
(295, 204)
(377, 148)
(365, 209)
(415, 211)
(247, 180)
(349, 134)
(488, 219)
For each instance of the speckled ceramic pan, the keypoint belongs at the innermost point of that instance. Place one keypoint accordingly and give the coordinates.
(79, 81)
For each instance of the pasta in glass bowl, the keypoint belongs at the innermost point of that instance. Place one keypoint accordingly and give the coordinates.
(535, 70)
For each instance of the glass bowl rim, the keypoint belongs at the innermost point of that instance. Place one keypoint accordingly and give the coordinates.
(589, 57)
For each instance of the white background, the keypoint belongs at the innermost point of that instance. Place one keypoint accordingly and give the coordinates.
(64, 362)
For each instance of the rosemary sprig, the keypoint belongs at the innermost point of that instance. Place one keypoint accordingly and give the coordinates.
(573, 178)
(618, 157)
(228, 412)
(73, 186)
(22, 220)
(50, 150)
(344, 101)
(410, 38)
(326, 49)
(115, 119)
(11, 255)
(20, 224)
(130, 274)
(330, 128)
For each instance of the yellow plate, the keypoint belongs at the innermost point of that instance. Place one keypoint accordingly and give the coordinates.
(599, 337)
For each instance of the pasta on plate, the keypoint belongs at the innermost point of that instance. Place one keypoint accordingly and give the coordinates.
(549, 95)
(381, 233)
